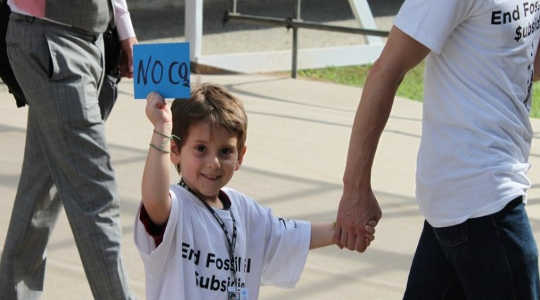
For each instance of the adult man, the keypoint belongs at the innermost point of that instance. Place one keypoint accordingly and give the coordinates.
(55, 48)
(471, 177)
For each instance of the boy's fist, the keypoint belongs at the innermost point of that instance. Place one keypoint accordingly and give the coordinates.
(158, 112)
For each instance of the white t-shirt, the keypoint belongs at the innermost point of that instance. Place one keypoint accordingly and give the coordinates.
(476, 134)
(192, 262)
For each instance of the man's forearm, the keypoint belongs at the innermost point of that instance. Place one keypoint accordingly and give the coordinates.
(370, 120)
(358, 204)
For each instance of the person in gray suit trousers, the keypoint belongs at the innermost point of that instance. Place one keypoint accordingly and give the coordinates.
(55, 48)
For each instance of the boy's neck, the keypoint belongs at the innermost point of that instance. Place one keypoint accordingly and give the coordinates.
(214, 203)
(221, 201)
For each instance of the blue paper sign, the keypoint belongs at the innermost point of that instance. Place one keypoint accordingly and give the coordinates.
(162, 68)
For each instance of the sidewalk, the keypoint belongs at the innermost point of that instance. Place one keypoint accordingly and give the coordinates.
(297, 142)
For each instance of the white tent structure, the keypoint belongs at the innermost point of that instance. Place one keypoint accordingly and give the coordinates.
(253, 62)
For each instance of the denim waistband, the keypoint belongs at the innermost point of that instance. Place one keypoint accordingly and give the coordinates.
(513, 204)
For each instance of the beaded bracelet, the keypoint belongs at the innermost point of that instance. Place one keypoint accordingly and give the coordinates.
(162, 134)
(160, 149)
(170, 137)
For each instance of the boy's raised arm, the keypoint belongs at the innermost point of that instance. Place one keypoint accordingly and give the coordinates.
(155, 182)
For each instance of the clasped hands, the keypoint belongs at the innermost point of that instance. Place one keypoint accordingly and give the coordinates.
(357, 217)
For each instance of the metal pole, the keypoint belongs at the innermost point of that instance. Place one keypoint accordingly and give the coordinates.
(271, 21)
(295, 40)
(193, 28)
(294, 52)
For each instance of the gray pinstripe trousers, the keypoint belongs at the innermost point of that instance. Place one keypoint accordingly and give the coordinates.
(60, 71)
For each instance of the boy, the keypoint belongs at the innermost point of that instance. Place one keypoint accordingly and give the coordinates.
(199, 239)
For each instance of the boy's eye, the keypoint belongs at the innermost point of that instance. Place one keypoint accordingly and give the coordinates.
(200, 148)
(227, 151)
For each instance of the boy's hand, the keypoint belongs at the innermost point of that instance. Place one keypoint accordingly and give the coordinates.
(369, 236)
(159, 112)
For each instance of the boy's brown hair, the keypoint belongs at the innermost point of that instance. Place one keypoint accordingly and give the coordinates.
(211, 103)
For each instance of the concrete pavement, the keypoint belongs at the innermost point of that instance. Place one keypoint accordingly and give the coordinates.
(297, 141)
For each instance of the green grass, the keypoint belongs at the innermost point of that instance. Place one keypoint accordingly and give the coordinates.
(412, 86)
(535, 108)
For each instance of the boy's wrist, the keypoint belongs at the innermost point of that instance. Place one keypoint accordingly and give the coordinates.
(165, 128)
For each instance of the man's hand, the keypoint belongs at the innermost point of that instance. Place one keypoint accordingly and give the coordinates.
(358, 214)
(126, 60)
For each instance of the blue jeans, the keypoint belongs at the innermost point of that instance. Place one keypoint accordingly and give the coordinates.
(492, 257)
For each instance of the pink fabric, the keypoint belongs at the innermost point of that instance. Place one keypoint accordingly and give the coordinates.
(35, 8)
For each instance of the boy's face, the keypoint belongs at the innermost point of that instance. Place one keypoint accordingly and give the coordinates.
(208, 158)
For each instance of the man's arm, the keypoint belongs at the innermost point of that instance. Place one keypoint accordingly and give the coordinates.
(127, 37)
(358, 204)
(536, 75)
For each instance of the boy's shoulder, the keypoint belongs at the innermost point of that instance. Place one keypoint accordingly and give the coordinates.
(244, 203)
(237, 197)
(182, 196)
(187, 200)
(177, 190)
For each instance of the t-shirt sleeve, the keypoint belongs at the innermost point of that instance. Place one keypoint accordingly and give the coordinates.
(431, 22)
(155, 230)
(287, 247)
(122, 20)
(155, 258)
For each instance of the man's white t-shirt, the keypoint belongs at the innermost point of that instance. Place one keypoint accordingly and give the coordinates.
(476, 134)
(192, 261)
